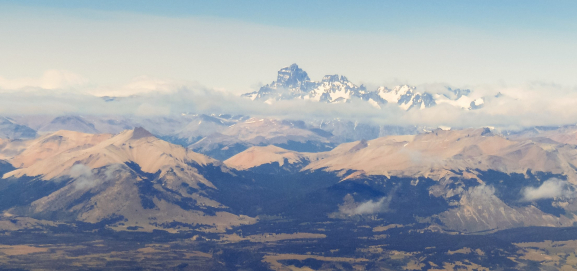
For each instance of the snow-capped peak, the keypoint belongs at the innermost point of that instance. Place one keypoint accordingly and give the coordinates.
(291, 76)
(294, 83)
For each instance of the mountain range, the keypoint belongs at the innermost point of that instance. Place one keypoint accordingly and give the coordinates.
(237, 192)
(132, 178)
(480, 177)
(144, 182)
(294, 83)
(217, 135)
(458, 189)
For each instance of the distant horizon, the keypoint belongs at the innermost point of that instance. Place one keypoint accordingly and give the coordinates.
(236, 47)
(184, 56)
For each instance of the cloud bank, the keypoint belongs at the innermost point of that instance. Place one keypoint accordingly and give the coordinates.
(51, 79)
(552, 188)
(534, 104)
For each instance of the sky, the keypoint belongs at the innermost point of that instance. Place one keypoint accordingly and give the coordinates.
(237, 46)
(198, 56)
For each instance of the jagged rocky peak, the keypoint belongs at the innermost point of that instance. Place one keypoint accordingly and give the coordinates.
(335, 78)
(406, 97)
(397, 90)
(294, 84)
(292, 76)
(458, 93)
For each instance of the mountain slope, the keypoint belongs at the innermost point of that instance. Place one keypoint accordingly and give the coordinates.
(138, 146)
(73, 123)
(258, 156)
(477, 180)
(439, 152)
(262, 132)
(432, 154)
(26, 153)
(132, 179)
(11, 130)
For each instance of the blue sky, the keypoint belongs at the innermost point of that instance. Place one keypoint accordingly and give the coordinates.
(238, 45)
(349, 15)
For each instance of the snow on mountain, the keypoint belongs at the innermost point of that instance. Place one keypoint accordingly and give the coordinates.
(294, 83)
(406, 97)
(459, 98)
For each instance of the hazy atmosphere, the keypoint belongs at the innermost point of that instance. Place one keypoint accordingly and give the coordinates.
(288, 135)
(66, 52)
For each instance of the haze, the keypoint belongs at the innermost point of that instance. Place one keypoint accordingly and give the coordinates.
(237, 47)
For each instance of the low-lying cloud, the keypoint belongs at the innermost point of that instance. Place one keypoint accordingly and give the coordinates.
(51, 79)
(350, 207)
(552, 188)
(517, 107)
(86, 178)
(373, 207)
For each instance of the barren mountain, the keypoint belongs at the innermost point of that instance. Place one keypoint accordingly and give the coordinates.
(257, 156)
(459, 180)
(23, 154)
(469, 174)
(217, 135)
(12, 130)
(138, 146)
(201, 126)
(564, 134)
(262, 132)
(440, 152)
(133, 178)
(432, 154)
(73, 123)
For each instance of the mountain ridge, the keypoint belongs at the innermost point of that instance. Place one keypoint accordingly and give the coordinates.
(133, 178)
(294, 83)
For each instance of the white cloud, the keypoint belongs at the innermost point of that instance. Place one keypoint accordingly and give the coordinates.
(58, 79)
(142, 85)
(552, 188)
(84, 178)
(147, 109)
(373, 207)
(518, 107)
(350, 207)
(51, 79)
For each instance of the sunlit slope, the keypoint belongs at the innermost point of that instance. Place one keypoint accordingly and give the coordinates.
(256, 156)
(133, 177)
(432, 154)
(26, 153)
(437, 153)
(137, 146)
(261, 132)
(468, 180)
